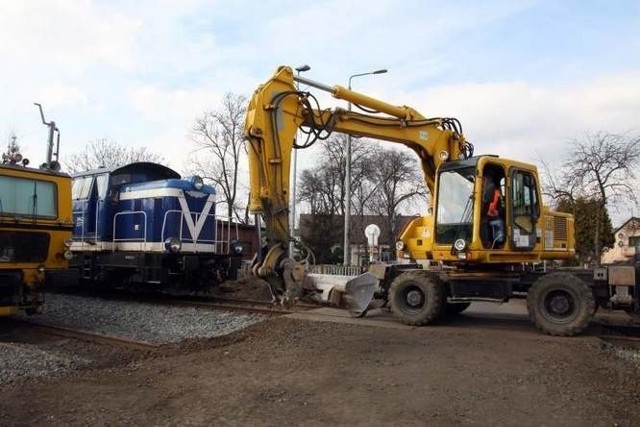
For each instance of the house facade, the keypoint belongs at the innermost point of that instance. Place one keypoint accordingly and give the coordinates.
(627, 242)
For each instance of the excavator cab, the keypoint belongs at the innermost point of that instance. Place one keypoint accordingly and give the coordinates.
(486, 210)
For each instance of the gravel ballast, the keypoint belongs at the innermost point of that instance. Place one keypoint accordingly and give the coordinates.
(150, 323)
(18, 360)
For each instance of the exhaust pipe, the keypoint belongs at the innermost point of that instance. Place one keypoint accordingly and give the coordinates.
(354, 293)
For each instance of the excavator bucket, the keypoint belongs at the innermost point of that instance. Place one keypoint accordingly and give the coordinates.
(354, 293)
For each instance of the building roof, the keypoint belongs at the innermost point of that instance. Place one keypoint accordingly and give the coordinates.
(634, 221)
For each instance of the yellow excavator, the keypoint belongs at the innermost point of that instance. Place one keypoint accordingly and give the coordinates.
(486, 235)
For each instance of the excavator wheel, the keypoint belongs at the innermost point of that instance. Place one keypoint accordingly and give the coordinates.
(416, 298)
(561, 304)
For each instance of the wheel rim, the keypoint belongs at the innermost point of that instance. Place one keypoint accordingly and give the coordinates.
(412, 299)
(559, 306)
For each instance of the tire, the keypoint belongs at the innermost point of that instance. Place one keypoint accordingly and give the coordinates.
(454, 309)
(561, 304)
(416, 298)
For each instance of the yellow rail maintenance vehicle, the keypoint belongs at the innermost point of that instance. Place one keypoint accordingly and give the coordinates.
(35, 226)
(482, 237)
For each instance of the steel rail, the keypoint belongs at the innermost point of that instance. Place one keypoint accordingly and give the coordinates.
(90, 336)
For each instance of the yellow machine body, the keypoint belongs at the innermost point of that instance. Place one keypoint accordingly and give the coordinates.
(35, 231)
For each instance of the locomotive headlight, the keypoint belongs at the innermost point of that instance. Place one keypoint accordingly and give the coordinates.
(399, 245)
(68, 255)
(460, 245)
(173, 244)
(198, 183)
(40, 268)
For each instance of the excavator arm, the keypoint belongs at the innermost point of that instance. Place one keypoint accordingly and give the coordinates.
(278, 110)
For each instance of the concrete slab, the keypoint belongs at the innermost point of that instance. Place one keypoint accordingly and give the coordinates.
(511, 317)
(514, 310)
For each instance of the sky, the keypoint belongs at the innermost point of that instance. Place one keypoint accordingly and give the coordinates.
(524, 77)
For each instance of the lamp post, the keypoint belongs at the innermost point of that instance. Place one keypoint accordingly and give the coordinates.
(300, 69)
(347, 179)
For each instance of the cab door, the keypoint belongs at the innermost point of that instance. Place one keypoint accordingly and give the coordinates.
(84, 208)
(525, 209)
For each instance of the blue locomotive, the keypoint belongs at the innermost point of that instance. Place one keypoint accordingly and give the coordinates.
(143, 225)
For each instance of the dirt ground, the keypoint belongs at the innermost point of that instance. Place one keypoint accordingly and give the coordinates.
(473, 370)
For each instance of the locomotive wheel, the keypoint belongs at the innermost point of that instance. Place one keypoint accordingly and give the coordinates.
(453, 309)
(416, 299)
(561, 304)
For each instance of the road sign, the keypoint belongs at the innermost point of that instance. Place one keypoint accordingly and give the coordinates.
(372, 232)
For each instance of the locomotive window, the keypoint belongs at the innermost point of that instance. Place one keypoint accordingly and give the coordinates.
(123, 178)
(29, 197)
(102, 182)
(81, 188)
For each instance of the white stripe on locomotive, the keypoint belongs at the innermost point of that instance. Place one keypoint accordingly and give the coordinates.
(194, 228)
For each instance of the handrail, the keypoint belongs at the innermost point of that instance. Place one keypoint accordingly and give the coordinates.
(221, 238)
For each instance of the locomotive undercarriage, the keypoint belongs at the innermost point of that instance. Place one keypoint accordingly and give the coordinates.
(155, 271)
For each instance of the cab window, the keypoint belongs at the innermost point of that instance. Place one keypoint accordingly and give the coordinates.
(526, 209)
(30, 197)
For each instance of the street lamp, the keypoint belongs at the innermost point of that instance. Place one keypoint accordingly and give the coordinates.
(347, 179)
(300, 69)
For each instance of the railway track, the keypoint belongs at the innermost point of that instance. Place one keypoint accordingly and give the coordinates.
(214, 303)
(234, 305)
(89, 336)
(251, 306)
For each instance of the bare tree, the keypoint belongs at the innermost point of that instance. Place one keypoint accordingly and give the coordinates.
(399, 181)
(323, 187)
(383, 180)
(13, 148)
(219, 137)
(318, 189)
(600, 167)
(108, 153)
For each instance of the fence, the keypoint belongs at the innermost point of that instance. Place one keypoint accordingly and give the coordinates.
(341, 270)
(334, 270)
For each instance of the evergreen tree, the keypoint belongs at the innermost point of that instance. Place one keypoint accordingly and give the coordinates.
(586, 215)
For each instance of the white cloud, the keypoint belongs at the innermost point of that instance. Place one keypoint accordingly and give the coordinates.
(177, 106)
(66, 35)
(528, 121)
(58, 94)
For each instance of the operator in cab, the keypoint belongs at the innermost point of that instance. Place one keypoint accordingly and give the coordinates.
(493, 226)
